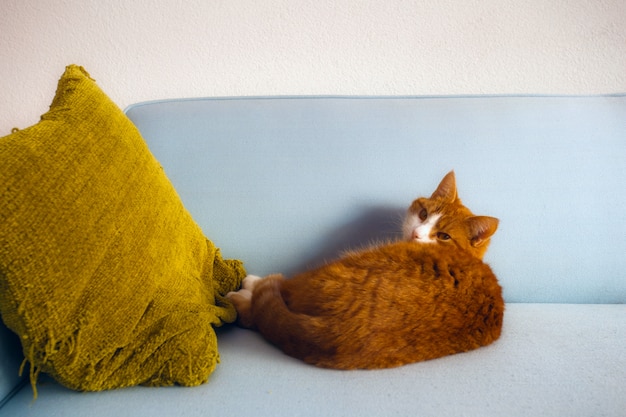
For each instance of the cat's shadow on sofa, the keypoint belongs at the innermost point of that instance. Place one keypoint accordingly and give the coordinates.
(372, 225)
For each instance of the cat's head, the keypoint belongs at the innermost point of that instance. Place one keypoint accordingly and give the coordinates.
(443, 220)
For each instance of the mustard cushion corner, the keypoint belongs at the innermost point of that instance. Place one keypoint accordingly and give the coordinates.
(104, 275)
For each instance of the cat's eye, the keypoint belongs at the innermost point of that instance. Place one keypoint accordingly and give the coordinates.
(423, 214)
(443, 236)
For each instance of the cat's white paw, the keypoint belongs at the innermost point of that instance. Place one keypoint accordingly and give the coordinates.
(242, 294)
(247, 287)
(250, 282)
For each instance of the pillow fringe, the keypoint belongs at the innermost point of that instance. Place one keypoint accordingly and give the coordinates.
(34, 370)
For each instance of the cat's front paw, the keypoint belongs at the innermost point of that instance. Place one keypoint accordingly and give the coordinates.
(250, 282)
(242, 300)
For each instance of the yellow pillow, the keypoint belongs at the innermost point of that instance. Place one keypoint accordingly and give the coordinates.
(104, 275)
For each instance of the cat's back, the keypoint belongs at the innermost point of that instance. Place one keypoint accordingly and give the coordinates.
(452, 267)
(406, 274)
(400, 261)
(430, 273)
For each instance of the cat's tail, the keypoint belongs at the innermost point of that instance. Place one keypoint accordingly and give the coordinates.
(298, 335)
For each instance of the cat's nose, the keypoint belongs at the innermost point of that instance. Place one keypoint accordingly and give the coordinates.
(415, 235)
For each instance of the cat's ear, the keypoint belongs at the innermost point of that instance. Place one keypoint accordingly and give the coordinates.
(446, 188)
(481, 229)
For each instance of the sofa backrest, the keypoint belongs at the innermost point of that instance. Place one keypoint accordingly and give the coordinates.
(284, 183)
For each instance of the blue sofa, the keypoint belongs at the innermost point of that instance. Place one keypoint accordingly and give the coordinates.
(284, 183)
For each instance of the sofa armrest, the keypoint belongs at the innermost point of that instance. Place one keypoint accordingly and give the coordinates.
(10, 359)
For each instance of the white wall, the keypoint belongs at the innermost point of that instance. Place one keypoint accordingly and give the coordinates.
(151, 49)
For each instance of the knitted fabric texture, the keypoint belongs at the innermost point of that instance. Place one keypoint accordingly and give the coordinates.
(104, 275)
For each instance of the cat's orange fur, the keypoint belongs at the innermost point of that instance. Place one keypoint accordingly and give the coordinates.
(422, 298)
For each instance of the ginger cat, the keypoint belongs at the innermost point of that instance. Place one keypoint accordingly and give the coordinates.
(427, 296)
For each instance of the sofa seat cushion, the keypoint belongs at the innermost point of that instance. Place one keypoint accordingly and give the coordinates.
(551, 360)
